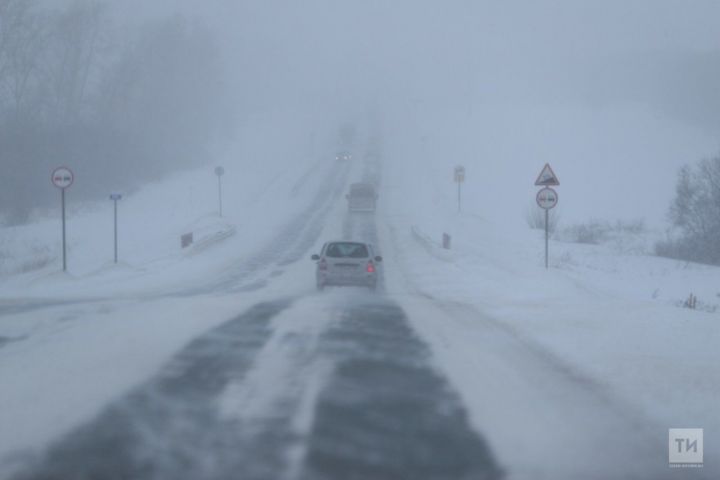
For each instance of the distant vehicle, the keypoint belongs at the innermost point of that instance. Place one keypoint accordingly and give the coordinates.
(362, 197)
(346, 263)
(344, 156)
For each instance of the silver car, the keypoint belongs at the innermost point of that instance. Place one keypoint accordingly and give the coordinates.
(347, 263)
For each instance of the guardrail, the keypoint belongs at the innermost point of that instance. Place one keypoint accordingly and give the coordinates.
(206, 237)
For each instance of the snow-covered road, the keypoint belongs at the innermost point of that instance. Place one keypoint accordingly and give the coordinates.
(334, 387)
(344, 384)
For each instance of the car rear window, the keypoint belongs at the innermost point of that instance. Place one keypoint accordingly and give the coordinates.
(346, 250)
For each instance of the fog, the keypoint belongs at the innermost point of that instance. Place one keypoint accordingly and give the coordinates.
(330, 303)
(613, 94)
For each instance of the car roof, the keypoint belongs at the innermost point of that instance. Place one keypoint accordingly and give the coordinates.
(347, 241)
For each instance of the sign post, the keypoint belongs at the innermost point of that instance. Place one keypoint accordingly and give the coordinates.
(547, 199)
(115, 197)
(62, 178)
(219, 171)
(459, 179)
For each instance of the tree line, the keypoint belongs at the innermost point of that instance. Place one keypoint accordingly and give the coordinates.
(695, 214)
(119, 104)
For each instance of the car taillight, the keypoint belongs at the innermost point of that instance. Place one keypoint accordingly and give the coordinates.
(370, 267)
(322, 265)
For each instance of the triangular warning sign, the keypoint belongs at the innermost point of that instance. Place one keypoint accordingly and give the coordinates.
(547, 177)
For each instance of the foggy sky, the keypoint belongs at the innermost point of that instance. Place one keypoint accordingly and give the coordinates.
(621, 89)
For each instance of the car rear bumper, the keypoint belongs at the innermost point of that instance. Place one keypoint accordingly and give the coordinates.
(368, 280)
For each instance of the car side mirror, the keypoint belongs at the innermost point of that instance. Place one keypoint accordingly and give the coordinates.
(378, 258)
(315, 257)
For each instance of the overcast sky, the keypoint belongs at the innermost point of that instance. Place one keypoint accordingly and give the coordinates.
(628, 90)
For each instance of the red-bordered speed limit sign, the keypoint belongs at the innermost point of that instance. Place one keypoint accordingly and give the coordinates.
(547, 198)
(62, 177)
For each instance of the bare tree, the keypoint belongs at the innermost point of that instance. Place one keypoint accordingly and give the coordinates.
(126, 109)
(695, 213)
(166, 94)
(21, 42)
(73, 59)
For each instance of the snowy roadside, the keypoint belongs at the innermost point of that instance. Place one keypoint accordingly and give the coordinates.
(607, 314)
(150, 252)
(598, 317)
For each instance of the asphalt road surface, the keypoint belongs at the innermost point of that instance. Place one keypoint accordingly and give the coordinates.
(359, 398)
(382, 412)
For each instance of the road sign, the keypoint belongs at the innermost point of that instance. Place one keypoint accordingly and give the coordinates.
(62, 177)
(547, 198)
(547, 177)
(459, 174)
(219, 171)
(115, 196)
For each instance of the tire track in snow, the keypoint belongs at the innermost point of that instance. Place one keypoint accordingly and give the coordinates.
(279, 394)
(386, 413)
(169, 428)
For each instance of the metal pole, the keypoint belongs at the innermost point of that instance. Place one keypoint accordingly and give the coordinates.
(220, 193)
(459, 204)
(62, 197)
(116, 231)
(547, 229)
